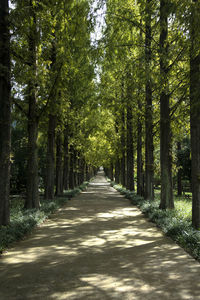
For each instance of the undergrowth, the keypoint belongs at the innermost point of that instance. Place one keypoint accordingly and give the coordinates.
(175, 223)
(23, 221)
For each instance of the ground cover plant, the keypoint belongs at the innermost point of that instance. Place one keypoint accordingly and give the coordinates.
(23, 221)
(176, 223)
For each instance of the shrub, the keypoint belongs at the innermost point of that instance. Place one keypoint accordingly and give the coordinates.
(23, 221)
(174, 223)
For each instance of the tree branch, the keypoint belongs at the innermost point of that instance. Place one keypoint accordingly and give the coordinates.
(19, 106)
(51, 92)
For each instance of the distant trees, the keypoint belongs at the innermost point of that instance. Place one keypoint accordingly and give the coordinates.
(160, 58)
(52, 76)
(78, 105)
(4, 112)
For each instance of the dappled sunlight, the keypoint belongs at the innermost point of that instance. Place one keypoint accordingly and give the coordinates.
(121, 213)
(93, 241)
(109, 285)
(112, 283)
(99, 184)
(96, 248)
(72, 208)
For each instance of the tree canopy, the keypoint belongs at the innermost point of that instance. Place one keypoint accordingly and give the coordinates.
(100, 83)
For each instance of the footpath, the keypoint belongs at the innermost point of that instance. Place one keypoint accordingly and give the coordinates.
(98, 246)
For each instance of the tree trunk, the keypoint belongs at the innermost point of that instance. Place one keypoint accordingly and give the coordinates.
(149, 160)
(71, 168)
(111, 171)
(140, 173)
(4, 113)
(165, 130)
(59, 165)
(79, 170)
(195, 111)
(87, 172)
(129, 149)
(82, 170)
(179, 174)
(117, 170)
(123, 150)
(32, 199)
(75, 168)
(50, 167)
(66, 160)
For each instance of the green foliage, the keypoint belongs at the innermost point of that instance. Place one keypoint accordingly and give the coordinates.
(184, 159)
(23, 221)
(88, 86)
(174, 223)
(18, 156)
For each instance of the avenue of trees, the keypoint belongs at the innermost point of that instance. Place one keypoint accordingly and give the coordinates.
(129, 102)
(150, 81)
(47, 99)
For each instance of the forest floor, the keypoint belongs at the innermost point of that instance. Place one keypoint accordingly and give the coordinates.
(98, 246)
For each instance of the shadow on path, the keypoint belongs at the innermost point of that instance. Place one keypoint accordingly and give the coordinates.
(98, 247)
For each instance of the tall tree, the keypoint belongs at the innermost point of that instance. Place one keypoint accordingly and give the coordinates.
(50, 167)
(32, 199)
(179, 173)
(4, 112)
(140, 180)
(59, 164)
(165, 130)
(195, 110)
(139, 72)
(149, 148)
(50, 163)
(129, 145)
(71, 168)
(123, 146)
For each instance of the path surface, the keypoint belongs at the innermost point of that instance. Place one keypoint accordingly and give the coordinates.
(98, 247)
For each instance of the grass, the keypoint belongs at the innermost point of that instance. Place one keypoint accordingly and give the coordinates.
(176, 223)
(23, 221)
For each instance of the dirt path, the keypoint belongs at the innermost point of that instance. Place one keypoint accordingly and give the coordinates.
(98, 247)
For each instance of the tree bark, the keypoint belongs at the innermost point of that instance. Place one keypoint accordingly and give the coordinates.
(87, 172)
(79, 169)
(165, 130)
(149, 159)
(129, 149)
(179, 174)
(140, 173)
(71, 168)
(59, 165)
(4, 113)
(32, 199)
(75, 168)
(111, 171)
(117, 156)
(66, 160)
(82, 170)
(50, 166)
(195, 111)
(117, 170)
(123, 149)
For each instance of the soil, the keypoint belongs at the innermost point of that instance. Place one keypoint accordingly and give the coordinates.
(98, 246)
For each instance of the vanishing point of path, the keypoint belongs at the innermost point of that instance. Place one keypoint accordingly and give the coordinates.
(98, 246)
